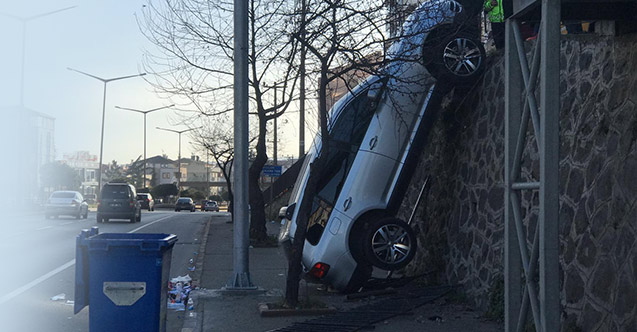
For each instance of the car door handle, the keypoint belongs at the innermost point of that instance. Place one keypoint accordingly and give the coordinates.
(372, 142)
(347, 204)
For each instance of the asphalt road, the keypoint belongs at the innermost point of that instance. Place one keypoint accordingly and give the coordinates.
(37, 261)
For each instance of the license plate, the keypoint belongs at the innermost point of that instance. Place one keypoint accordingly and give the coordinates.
(116, 204)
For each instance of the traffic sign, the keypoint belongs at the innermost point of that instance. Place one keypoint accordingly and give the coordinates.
(271, 170)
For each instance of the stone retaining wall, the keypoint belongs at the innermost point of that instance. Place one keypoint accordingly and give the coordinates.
(461, 219)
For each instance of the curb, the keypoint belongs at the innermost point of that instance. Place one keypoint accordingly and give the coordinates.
(194, 320)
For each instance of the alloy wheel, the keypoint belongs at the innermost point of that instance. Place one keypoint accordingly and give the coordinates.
(391, 244)
(462, 56)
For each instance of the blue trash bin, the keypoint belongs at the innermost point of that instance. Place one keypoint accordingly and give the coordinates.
(123, 278)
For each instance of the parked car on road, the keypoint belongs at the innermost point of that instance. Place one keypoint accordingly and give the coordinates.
(146, 201)
(185, 203)
(375, 133)
(118, 201)
(211, 206)
(66, 203)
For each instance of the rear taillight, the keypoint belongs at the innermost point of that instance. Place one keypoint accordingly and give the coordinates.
(75, 203)
(132, 203)
(319, 270)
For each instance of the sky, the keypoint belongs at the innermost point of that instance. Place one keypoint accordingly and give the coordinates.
(101, 38)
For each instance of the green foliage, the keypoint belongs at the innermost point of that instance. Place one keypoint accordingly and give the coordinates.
(59, 176)
(164, 190)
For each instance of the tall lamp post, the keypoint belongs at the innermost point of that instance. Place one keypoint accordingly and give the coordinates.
(179, 157)
(24, 21)
(144, 112)
(103, 80)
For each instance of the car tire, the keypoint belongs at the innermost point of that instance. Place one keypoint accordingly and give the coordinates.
(176, 210)
(99, 219)
(133, 218)
(139, 217)
(389, 243)
(455, 57)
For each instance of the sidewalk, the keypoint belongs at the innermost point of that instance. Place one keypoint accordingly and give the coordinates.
(216, 310)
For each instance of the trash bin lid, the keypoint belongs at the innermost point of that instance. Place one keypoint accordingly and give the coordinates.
(144, 241)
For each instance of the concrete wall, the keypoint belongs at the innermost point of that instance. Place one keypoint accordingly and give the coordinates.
(461, 220)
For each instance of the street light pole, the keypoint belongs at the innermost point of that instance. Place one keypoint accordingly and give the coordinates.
(24, 21)
(103, 80)
(144, 113)
(179, 156)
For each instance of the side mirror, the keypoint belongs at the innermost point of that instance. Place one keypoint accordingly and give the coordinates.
(289, 211)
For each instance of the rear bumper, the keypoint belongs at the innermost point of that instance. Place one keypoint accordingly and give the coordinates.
(116, 215)
(62, 210)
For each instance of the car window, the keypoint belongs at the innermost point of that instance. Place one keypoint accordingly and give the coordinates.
(345, 138)
(63, 195)
(184, 200)
(115, 192)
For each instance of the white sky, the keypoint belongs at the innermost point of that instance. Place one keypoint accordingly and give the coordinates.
(101, 38)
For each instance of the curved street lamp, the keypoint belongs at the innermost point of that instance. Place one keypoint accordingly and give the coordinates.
(179, 156)
(103, 80)
(144, 112)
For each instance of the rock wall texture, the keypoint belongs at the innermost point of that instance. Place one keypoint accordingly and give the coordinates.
(461, 218)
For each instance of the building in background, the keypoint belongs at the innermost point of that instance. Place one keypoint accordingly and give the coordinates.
(87, 167)
(163, 170)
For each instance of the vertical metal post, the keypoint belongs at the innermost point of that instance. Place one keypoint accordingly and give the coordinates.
(275, 129)
(99, 180)
(179, 168)
(302, 85)
(241, 276)
(548, 219)
(513, 115)
(144, 150)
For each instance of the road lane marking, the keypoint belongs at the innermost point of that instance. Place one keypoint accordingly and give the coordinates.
(17, 292)
(36, 282)
(156, 221)
(43, 228)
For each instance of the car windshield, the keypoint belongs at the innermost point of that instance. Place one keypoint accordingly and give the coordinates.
(115, 192)
(63, 195)
(142, 196)
(211, 203)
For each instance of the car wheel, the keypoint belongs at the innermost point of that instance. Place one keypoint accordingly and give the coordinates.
(99, 219)
(389, 243)
(176, 210)
(454, 57)
(133, 218)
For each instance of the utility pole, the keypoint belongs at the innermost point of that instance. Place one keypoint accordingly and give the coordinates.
(24, 21)
(240, 279)
(144, 112)
(103, 80)
(302, 84)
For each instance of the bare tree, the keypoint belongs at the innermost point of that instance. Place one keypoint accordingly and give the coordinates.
(197, 66)
(219, 142)
(340, 36)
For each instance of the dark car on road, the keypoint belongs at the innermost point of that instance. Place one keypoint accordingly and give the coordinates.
(185, 203)
(66, 203)
(118, 201)
(146, 201)
(211, 206)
